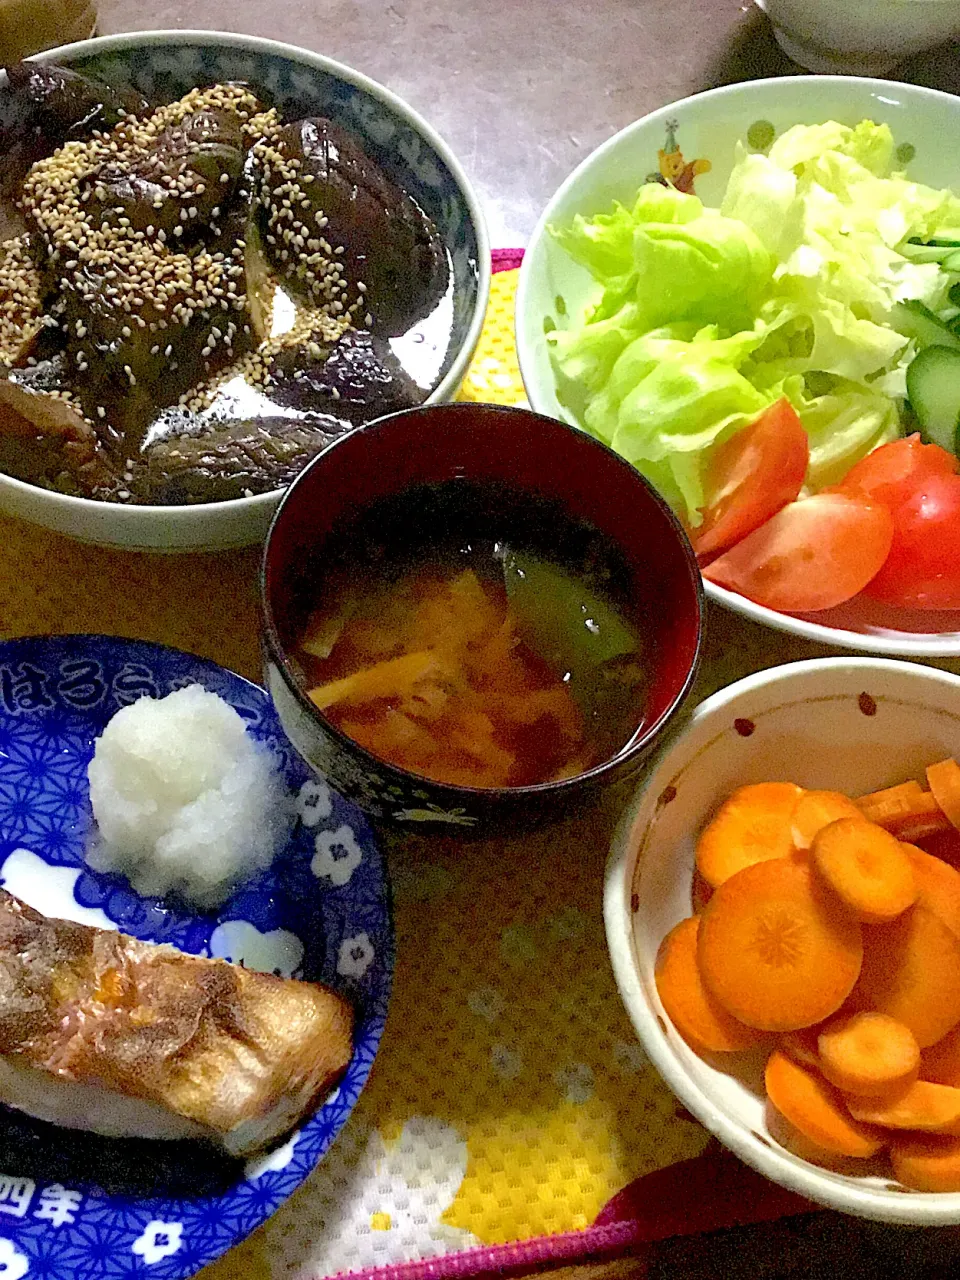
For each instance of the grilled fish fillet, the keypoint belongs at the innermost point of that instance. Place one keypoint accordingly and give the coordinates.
(103, 1032)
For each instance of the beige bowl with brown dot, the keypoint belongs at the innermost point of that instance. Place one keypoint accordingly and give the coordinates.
(844, 724)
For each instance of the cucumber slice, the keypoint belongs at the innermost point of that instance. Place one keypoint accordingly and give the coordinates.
(947, 236)
(928, 252)
(914, 320)
(933, 385)
(951, 262)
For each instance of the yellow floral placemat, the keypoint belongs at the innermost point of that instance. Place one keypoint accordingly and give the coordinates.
(510, 1100)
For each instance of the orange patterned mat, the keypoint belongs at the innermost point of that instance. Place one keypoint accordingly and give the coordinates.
(510, 1100)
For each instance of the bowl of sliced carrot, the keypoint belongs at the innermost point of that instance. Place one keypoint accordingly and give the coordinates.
(782, 906)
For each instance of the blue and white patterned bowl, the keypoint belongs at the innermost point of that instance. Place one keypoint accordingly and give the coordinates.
(75, 1205)
(163, 65)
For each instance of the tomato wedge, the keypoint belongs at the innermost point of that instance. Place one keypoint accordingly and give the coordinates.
(923, 568)
(751, 476)
(813, 554)
(892, 473)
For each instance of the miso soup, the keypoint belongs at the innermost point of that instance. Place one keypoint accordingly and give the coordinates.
(475, 636)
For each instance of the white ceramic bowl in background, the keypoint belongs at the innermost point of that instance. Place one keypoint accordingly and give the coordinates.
(847, 724)
(554, 291)
(162, 64)
(859, 37)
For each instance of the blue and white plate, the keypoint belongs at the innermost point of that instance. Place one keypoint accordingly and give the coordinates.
(74, 1206)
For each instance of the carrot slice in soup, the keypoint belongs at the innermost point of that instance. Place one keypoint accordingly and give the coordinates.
(816, 810)
(392, 678)
(943, 779)
(889, 802)
(754, 824)
(816, 1109)
(705, 1025)
(927, 1163)
(868, 1054)
(776, 949)
(866, 867)
(911, 970)
(790, 1137)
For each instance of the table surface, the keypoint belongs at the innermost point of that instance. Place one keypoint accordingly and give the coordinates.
(522, 92)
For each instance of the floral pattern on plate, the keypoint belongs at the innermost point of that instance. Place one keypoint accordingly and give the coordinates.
(56, 695)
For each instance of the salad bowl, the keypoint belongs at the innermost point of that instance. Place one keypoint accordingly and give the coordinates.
(849, 724)
(692, 147)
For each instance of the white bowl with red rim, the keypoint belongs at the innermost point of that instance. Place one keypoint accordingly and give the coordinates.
(846, 724)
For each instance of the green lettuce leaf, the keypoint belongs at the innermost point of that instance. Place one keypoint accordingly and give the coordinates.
(668, 400)
(672, 259)
(712, 269)
(708, 315)
(584, 357)
(603, 243)
(842, 427)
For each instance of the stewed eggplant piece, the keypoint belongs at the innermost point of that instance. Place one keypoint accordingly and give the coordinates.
(44, 437)
(46, 105)
(203, 297)
(186, 178)
(360, 379)
(230, 460)
(323, 190)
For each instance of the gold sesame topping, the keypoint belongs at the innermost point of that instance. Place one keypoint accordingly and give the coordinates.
(21, 309)
(131, 279)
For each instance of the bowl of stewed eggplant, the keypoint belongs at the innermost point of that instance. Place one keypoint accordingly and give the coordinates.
(218, 255)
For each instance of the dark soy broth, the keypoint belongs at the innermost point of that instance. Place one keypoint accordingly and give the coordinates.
(476, 635)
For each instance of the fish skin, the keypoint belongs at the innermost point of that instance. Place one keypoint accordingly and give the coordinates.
(244, 1054)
